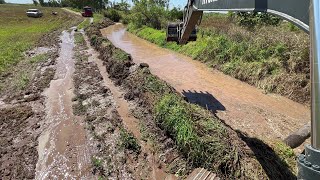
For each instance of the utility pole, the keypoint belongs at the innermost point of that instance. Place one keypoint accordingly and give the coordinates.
(309, 163)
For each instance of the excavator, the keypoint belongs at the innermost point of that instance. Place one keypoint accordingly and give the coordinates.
(303, 13)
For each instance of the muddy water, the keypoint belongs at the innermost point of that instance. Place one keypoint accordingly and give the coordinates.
(130, 122)
(240, 105)
(63, 152)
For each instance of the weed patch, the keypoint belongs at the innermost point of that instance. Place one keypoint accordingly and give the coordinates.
(128, 141)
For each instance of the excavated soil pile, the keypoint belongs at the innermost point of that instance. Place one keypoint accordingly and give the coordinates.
(215, 146)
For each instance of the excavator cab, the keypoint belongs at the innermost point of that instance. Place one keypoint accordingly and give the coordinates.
(174, 31)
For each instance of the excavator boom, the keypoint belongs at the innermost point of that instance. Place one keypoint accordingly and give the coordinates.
(295, 11)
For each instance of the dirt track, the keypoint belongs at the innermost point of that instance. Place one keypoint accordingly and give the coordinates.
(243, 107)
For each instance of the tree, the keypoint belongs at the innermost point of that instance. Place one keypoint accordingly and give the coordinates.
(2, 2)
(35, 2)
(96, 4)
(149, 12)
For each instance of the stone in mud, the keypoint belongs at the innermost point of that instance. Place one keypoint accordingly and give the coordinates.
(144, 65)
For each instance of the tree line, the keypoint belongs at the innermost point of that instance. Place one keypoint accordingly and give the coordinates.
(79, 4)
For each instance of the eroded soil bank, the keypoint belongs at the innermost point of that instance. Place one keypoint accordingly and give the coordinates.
(241, 106)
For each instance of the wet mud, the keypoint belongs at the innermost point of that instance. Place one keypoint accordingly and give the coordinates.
(63, 150)
(243, 107)
(22, 112)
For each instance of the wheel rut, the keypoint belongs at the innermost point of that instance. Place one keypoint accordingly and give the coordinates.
(63, 145)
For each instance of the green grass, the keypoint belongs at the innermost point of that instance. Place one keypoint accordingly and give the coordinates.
(39, 58)
(97, 17)
(84, 23)
(19, 33)
(22, 80)
(201, 138)
(79, 39)
(96, 162)
(120, 55)
(128, 141)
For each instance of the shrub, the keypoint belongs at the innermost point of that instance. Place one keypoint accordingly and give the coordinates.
(112, 14)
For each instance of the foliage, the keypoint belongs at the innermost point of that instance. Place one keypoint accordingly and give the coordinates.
(35, 2)
(190, 127)
(79, 4)
(112, 14)
(96, 162)
(2, 2)
(175, 14)
(251, 20)
(128, 141)
(149, 12)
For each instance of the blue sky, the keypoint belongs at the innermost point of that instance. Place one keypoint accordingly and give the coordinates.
(180, 3)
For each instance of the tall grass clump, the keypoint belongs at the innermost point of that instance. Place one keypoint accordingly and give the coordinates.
(201, 138)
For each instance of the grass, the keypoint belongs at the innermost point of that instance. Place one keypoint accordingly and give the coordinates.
(22, 80)
(96, 162)
(128, 141)
(39, 58)
(79, 39)
(19, 33)
(202, 138)
(84, 24)
(119, 55)
(97, 18)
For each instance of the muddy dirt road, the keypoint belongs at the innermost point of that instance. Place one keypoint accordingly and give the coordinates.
(243, 107)
(63, 150)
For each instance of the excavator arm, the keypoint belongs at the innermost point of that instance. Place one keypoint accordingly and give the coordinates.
(295, 11)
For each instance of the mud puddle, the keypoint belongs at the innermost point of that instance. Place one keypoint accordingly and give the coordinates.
(63, 152)
(130, 122)
(243, 107)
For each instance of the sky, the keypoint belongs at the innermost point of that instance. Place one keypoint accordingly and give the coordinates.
(177, 3)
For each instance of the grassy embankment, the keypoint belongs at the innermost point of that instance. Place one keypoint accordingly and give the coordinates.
(275, 59)
(19, 33)
(201, 138)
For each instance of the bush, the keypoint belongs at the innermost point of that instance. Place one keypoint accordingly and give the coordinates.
(251, 20)
(112, 14)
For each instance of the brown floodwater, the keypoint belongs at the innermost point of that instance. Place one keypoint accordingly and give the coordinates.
(243, 107)
(63, 150)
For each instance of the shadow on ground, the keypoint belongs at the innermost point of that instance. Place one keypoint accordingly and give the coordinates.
(272, 164)
(203, 99)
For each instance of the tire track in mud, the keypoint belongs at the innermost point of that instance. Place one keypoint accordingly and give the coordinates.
(63, 144)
